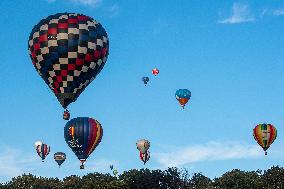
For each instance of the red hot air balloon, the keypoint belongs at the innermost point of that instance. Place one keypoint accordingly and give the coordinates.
(155, 71)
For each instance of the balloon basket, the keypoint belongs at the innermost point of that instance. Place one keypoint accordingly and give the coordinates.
(66, 115)
(265, 153)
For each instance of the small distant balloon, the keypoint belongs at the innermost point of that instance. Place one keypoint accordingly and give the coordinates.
(143, 145)
(115, 172)
(43, 150)
(265, 134)
(183, 95)
(145, 80)
(59, 157)
(155, 71)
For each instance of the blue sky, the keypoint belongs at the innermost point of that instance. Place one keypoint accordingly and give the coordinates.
(228, 54)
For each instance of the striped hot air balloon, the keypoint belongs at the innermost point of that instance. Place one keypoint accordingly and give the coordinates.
(145, 157)
(83, 134)
(43, 150)
(265, 134)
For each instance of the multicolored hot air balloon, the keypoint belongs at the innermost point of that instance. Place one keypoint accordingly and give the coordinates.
(68, 51)
(155, 71)
(265, 134)
(183, 95)
(143, 145)
(83, 135)
(145, 157)
(59, 157)
(43, 150)
(145, 80)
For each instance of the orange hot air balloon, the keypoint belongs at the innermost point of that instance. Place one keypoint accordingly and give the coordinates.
(265, 134)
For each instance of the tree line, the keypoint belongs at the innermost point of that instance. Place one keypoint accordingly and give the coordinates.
(172, 178)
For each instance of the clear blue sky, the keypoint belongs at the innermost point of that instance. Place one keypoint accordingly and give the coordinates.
(229, 54)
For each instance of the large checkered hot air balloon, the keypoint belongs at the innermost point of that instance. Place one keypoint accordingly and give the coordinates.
(68, 51)
(265, 134)
(83, 135)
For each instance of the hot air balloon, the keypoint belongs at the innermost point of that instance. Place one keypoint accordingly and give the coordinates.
(83, 134)
(111, 167)
(183, 95)
(145, 80)
(155, 71)
(145, 157)
(143, 145)
(43, 150)
(68, 51)
(37, 143)
(59, 157)
(115, 172)
(265, 134)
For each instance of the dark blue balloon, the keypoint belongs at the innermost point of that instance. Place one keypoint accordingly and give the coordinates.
(59, 157)
(83, 134)
(145, 80)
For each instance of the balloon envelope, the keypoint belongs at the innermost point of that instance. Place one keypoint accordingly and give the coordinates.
(68, 51)
(155, 71)
(59, 157)
(43, 150)
(83, 134)
(145, 80)
(265, 134)
(183, 95)
(143, 145)
(37, 143)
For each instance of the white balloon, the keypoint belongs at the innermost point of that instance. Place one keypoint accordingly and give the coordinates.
(38, 143)
(143, 145)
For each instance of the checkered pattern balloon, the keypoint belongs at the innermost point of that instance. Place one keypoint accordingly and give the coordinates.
(68, 51)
